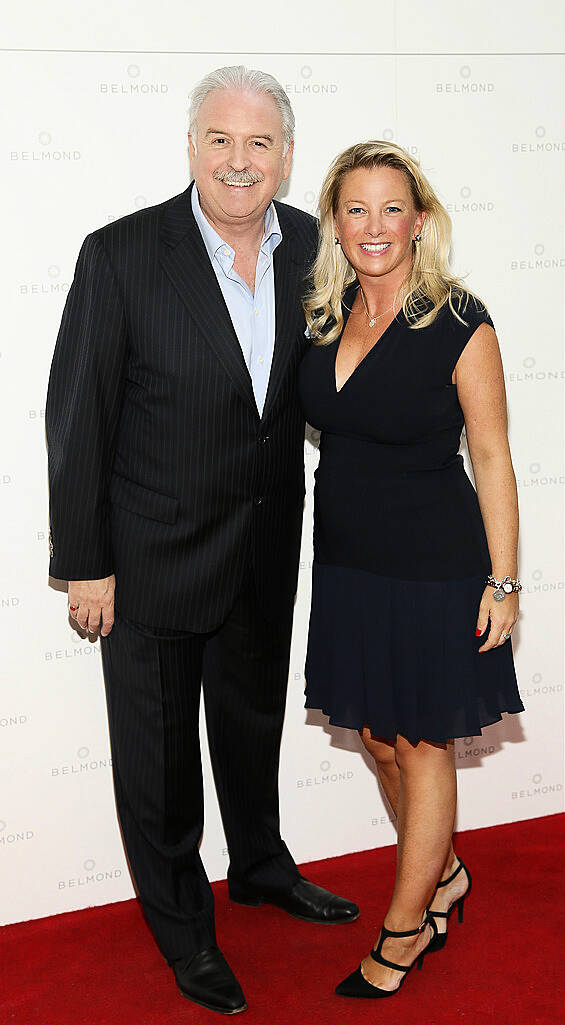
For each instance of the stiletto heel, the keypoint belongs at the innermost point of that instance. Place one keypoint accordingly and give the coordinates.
(356, 985)
(440, 939)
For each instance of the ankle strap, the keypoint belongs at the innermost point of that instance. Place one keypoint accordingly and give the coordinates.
(410, 932)
(385, 933)
(453, 874)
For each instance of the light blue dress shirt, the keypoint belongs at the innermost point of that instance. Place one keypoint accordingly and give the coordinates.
(252, 314)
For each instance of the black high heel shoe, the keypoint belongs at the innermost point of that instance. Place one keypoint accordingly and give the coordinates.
(356, 985)
(440, 938)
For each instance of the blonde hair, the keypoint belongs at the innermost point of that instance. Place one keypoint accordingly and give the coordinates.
(430, 284)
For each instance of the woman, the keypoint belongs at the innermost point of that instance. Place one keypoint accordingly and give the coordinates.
(415, 589)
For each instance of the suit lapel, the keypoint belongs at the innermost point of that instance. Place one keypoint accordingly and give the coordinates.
(288, 268)
(187, 264)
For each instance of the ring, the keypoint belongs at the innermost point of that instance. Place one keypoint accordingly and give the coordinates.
(73, 608)
(506, 636)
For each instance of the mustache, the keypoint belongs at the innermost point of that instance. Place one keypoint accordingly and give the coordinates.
(232, 177)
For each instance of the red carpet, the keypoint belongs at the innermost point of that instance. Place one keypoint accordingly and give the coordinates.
(502, 966)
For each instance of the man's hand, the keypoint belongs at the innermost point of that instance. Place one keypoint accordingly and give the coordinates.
(90, 599)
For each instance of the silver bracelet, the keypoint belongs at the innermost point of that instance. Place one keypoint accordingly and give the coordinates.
(503, 587)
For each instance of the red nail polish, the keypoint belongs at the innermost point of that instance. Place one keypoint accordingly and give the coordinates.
(478, 632)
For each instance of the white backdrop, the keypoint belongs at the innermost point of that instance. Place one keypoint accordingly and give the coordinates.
(95, 128)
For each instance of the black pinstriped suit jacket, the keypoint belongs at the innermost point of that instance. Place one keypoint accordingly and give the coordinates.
(161, 469)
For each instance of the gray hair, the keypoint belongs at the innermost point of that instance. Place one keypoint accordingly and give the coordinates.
(240, 77)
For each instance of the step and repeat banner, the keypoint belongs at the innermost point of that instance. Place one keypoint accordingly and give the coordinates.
(96, 128)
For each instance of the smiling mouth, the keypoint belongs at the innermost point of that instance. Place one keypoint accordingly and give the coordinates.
(375, 247)
(239, 185)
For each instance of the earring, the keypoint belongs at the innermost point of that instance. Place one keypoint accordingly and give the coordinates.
(417, 238)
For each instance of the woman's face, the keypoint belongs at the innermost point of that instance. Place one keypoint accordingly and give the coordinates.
(375, 222)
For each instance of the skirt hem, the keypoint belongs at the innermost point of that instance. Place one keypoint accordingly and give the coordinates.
(392, 734)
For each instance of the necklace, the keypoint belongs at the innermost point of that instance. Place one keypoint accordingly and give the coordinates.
(373, 320)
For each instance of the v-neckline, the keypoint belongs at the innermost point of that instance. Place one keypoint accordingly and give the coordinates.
(376, 345)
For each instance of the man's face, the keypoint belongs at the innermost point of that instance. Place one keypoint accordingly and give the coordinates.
(237, 156)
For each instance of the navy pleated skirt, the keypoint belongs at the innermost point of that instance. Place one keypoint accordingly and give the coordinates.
(401, 656)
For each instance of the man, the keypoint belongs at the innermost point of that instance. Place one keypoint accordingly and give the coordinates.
(177, 483)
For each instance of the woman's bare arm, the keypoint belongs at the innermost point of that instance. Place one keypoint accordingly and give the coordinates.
(479, 379)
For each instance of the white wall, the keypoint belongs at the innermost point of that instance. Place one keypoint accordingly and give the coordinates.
(95, 128)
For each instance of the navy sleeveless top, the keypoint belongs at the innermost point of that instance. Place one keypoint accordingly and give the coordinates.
(392, 495)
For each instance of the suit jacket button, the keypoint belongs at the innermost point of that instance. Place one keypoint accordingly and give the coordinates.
(257, 500)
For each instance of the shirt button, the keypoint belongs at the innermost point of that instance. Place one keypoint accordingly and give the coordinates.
(256, 312)
(226, 252)
(257, 500)
(261, 360)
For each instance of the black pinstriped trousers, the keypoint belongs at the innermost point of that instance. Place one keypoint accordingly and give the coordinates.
(153, 683)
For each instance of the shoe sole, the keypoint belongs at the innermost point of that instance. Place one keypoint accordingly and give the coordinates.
(368, 996)
(211, 1007)
(299, 918)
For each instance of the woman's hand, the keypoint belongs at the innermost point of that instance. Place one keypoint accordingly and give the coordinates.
(502, 616)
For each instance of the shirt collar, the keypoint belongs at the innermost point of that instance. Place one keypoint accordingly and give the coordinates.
(273, 233)
(215, 244)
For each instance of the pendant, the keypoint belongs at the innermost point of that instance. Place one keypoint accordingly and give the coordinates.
(499, 594)
(372, 322)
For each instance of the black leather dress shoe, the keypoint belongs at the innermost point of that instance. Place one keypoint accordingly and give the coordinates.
(306, 901)
(207, 979)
